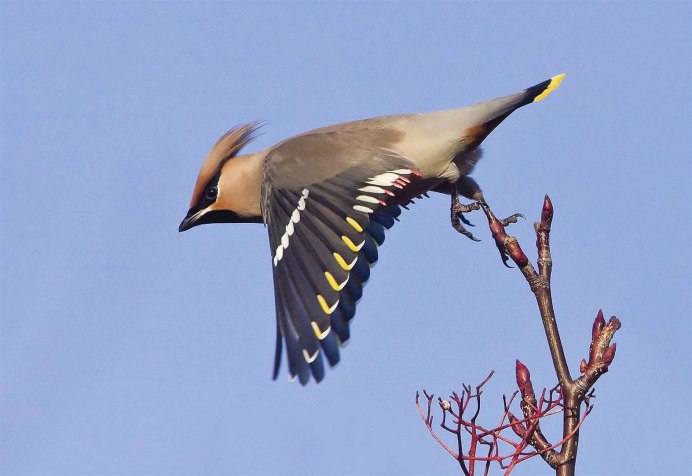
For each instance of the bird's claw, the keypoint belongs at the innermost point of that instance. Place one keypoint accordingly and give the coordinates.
(457, 214)
(504, 256)
(456, 223)
(512, 219)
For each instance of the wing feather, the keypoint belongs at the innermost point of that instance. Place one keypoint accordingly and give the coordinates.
(324, 236)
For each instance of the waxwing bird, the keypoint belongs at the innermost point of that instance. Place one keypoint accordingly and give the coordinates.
(326, 197)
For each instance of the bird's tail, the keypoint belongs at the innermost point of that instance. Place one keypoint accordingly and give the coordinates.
(483, 117)
(541, 90)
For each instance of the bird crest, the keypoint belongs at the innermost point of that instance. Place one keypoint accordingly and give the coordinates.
(225, 149)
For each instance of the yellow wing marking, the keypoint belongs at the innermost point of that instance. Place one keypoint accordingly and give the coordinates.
(325, 307)
(351, 245)
(332, 281)
(342, 262)
(320, 335)
(354, 224)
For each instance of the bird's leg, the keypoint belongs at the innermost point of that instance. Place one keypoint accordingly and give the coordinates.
(470, 189)
(457, 210)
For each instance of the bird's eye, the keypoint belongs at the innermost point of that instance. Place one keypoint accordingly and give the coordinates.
(212, 192)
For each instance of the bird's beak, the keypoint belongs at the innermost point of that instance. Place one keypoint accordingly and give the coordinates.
(201, 217)
(190, 220)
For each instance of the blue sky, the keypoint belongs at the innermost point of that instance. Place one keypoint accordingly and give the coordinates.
(127, 348)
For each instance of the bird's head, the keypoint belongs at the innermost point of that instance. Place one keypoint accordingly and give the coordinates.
(228, 185)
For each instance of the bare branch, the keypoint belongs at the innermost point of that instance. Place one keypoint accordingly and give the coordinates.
(566, 398)
(600, 355)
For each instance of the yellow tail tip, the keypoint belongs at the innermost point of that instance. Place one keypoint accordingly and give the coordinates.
(553, 84)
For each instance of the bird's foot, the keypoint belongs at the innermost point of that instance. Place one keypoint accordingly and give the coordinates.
(497, 228)
(457, 210)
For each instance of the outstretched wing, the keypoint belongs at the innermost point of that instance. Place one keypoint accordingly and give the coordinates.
(325, 225)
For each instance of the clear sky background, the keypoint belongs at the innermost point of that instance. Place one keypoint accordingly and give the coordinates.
(128, 348)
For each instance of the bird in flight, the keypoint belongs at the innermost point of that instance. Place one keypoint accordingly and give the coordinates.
(327, 196)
